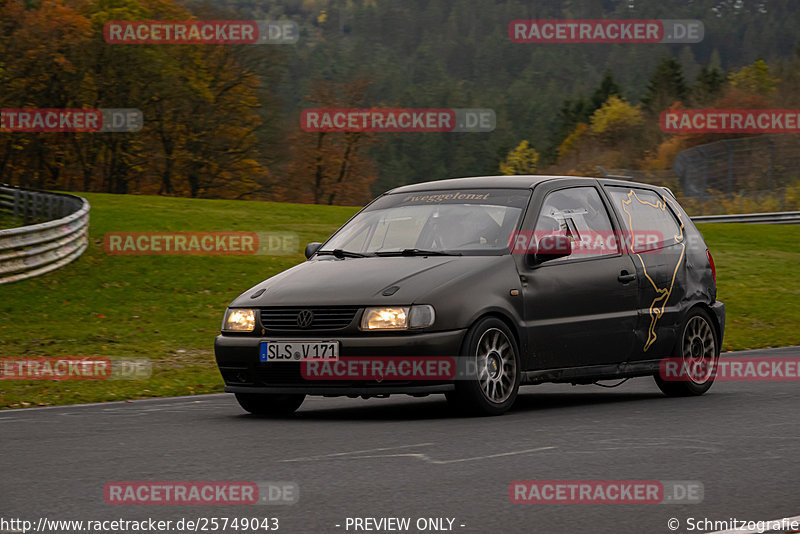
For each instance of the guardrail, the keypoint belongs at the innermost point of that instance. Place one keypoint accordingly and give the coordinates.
(781, 217)
(35, 249)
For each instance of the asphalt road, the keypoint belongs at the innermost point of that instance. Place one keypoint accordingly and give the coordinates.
(404, 457)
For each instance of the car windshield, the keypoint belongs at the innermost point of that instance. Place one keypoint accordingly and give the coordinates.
(430, 222)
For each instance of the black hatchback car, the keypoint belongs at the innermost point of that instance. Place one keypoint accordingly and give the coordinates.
(471, 287)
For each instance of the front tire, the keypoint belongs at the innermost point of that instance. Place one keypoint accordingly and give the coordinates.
(493, 359)
(697, 348)
(272, 405)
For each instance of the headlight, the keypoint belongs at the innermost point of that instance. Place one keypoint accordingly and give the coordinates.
(239, 320)
(397, 317)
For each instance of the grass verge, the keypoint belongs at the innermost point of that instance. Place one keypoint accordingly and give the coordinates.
(758, 279)
(166, 308)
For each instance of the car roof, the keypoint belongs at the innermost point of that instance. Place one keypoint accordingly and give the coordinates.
(527, 181)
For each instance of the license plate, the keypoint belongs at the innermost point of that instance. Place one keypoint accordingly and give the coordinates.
(295, 351)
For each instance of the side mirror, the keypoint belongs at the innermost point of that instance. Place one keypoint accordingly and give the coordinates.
(312, 248)
(550, 247)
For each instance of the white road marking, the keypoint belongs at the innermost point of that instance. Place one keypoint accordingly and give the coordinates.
(338, 454)
(426, 458)
(182, 398)
(697, 446)
(359, 455)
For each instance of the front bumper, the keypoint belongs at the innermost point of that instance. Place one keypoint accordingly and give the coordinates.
(237, 358)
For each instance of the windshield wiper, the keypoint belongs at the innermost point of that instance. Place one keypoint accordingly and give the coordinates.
(339, 253)
(415, 252)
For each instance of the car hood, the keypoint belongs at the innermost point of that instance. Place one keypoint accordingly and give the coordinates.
(362, 281)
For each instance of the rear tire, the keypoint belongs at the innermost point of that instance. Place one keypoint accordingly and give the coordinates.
(493, 357)
(697, 344)
(273, 405)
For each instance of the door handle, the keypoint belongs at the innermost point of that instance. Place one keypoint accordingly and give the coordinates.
(625, 277)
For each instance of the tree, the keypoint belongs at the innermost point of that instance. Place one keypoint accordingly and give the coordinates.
(575, 112)
(201, 104)
(666, 85)
(521, 160)
(608, 87)
(708, 86)
(754, 79)
(614, 120)
(40, 52)
(330, 167)
(572, 143)
(689, 65)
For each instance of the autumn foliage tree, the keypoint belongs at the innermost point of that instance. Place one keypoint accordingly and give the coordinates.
(611, 137)
(330, 167)
(521, 160)
(201, 106)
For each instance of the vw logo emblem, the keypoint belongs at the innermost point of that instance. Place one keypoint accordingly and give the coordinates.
(305, 318)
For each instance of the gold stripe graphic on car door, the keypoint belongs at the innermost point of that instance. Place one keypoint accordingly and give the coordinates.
(662, 294)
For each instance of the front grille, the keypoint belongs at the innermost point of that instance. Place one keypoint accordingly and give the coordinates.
(325, 318)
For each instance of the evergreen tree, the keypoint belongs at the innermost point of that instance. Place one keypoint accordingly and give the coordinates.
(708, 86)
(608, 87)
(666, 86)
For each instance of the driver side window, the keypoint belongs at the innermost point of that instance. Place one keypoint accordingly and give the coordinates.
(578, 213)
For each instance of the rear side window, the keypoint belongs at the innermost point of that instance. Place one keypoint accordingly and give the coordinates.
(647, 216)
(579, 214)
